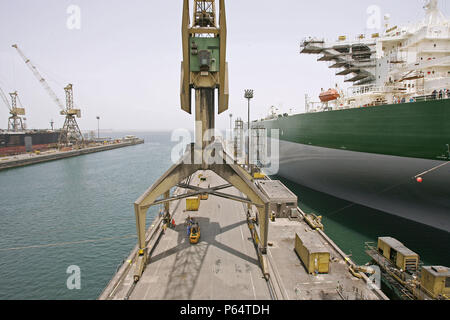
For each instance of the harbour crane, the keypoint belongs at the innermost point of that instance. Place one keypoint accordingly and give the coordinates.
(70, 132)
(203, 70)
(15, 121)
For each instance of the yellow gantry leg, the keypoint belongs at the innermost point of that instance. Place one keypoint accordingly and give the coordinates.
(232, 173)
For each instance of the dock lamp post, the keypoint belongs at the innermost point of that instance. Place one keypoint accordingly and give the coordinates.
(231, 125)
(248, 95)
(98, 127)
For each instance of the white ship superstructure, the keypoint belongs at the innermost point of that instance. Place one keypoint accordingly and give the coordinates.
(403, 64)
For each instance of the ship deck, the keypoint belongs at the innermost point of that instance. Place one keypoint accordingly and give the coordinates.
(224, 264)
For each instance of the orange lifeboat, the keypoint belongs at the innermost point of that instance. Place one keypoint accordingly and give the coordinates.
(329, 95)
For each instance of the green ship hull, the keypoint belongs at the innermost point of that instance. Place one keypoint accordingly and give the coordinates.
(371, 156)
(418, 130)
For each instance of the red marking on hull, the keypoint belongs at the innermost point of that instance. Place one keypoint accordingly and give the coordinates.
(9, 151)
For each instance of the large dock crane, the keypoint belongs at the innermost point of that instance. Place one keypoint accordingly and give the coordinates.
(203, 69)
(15, 121)
(70, 132)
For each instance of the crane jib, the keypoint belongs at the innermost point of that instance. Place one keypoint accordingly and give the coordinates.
(40, 78)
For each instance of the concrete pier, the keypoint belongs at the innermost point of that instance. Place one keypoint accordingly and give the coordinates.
(225, 265)
(29, 159)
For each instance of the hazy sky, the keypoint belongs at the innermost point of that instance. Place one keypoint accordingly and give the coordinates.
(124, 61)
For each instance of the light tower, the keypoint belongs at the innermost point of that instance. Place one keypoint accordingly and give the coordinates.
(248, 95)
(231, 126)
(98, 127)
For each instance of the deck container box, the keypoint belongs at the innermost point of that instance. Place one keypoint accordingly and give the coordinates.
(436, 280)
(398, 254)
(192, 203)
(282, 200)
(314, 255)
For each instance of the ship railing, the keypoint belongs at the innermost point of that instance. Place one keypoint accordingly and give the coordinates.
(420, 35)
(437, 75)
(307, 40)
(370, 245)
(424, 33)
(360, 39)
(313, 106)
(346, 294)
(396, 89)
(430, 62)
(431, 97)
(397, 58)
(358, 90)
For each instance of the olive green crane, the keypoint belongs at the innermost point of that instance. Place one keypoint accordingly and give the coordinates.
(203, 69)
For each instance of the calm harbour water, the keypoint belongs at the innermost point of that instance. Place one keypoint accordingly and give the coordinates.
(90, 198)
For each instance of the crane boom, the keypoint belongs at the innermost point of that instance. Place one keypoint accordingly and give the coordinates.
(5, 99)
(40, 78)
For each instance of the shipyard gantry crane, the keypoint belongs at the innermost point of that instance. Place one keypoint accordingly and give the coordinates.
(15, 121)
(203, 69)
(70, 132)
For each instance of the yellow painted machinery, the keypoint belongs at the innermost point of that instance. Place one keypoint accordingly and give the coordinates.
(70, 132)
(192, 203)
(259, 175)
(398, 254)
(314, 221)
(436, 281)
(15, 121)
(204, 53)
(195, 234)
(312, 252)
(203, 70)
(401, 266)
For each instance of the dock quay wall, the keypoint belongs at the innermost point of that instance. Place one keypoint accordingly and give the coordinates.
(61, 155)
